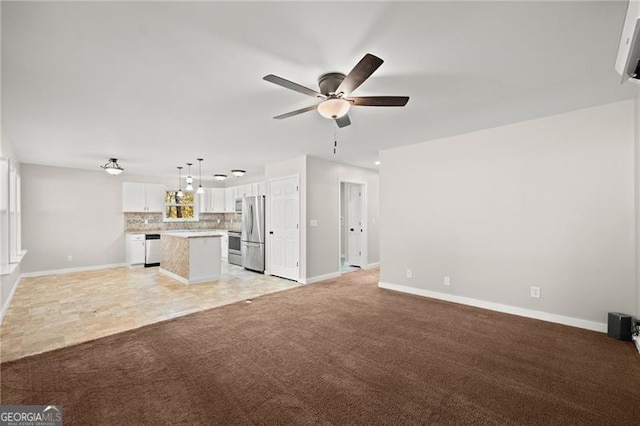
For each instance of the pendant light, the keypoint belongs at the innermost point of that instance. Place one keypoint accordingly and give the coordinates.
(179, 193)
(189, 187)
(112, 167)
(200, 188)
(238, 172)
(220, 177)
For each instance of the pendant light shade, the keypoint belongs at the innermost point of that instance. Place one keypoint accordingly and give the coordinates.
(220, 177)
(200, 188)
(179, 193)
(112, 167)
(238, 172)
(189, 179)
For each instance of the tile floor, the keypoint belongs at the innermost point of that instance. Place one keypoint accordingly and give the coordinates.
(54, 311)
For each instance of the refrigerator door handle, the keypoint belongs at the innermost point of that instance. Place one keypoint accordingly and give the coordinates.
(251, 210)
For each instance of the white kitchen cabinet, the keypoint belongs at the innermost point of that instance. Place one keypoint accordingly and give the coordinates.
(262, 188)
(244, 191)
(142, 197)
(229, 199)
(204, 203)
(217, 200)
(135, 250)
(224, 246)
(154, 195)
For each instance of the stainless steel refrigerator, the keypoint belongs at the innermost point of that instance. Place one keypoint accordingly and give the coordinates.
(253, 233)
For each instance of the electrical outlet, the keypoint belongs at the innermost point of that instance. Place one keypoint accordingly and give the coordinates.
(69, 258)
(535, 292)
(447, 281)
(409, 273)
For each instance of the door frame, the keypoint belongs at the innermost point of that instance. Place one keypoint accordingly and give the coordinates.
(365, 224)
(268, 222)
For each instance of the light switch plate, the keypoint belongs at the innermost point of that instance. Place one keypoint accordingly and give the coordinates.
(313, 223)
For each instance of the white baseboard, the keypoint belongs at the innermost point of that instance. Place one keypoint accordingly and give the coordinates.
(529, 313)
(319, 278)
(372, 265)
(6, 305)
(69, 270)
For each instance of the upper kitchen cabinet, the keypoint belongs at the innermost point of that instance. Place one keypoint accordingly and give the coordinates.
(213, 200)
(204, 202)
(142, 197)
(244, 190)
(262, 188)
(230, 199)
(218, 200)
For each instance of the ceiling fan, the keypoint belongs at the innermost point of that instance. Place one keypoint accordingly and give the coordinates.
(335, 91)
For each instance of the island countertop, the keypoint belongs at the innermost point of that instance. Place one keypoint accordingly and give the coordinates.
(192, 234)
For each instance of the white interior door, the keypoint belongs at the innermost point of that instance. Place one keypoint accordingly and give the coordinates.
(355, 224)
(284, 229)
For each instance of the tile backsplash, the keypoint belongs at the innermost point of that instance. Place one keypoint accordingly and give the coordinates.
(145, 222)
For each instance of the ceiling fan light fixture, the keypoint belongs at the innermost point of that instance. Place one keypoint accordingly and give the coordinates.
(112, 167)
(219, 177)
(238, 172)
(333, 108)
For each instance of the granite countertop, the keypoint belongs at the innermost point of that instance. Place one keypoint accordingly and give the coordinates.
(177, 231)
(194, 234)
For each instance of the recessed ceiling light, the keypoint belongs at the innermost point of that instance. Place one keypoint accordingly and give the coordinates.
(377, 163)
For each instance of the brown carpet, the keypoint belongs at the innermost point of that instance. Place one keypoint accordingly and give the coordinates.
(339, 352)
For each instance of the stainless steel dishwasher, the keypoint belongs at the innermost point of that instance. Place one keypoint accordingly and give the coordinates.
(152, 250)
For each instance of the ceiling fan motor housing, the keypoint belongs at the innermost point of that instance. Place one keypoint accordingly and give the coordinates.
(329, 82)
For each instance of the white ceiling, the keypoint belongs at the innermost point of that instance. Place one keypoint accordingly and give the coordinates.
(158, 84)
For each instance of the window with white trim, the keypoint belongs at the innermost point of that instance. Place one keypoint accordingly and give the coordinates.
(180, 208)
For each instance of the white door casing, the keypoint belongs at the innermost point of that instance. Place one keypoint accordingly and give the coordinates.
(284, 228)
(355, 225)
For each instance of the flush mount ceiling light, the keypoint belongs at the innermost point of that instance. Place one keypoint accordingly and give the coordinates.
(112, 167)
(200, 188)
(238, 172)
(220, 177)
(189, 179)
(179, 193)
(333, 108)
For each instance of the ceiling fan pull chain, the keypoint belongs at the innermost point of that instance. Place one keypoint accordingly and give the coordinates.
(335, 141)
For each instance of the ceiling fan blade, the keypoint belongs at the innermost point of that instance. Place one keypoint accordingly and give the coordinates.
(296, 112)
(382, 101)
(343, 121)
(292, 86)
(359, 73)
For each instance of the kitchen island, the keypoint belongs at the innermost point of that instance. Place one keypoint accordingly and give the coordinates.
(191, 257)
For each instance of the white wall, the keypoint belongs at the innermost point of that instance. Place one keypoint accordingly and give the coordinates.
(71, 212)
(547, 202)
(323, 194)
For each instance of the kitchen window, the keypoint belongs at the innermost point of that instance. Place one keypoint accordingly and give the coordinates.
(180, 208)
